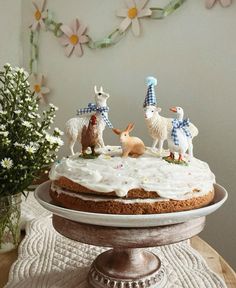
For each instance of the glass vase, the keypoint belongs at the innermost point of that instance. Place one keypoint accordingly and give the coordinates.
(10, 210)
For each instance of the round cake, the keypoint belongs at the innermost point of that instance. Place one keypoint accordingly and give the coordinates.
(124, 185)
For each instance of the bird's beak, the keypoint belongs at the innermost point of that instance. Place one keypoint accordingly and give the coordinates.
(173, 109)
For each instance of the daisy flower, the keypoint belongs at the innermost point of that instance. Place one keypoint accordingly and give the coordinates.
(16, 144)
(37, 85)
(224, 3)
(30, 149)
(39, 16)
(73, 38)
(7, 163)
(26, 124)
(58, 131)
(4, 133)
(132, 12)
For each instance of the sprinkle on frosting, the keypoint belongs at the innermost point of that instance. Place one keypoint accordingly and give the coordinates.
(147, 172)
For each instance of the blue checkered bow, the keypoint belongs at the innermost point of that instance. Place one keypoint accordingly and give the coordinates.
(94, 108)
(180, 124)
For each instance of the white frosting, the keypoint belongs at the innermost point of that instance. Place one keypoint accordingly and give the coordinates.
(96, 198)
(109, 172)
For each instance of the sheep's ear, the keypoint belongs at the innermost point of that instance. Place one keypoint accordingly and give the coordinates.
(95, 89)
(116, 131)
(159, 109)
(130, 127)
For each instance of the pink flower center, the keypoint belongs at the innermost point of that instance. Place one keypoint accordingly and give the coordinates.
(74, 39)
(37, 15)
(132, 12)
(37, 88)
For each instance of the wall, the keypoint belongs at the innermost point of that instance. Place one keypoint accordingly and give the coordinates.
(193, 55)
(10, 32)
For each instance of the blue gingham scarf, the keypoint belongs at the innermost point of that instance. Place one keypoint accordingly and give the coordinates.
(94, 108)
(180, 124)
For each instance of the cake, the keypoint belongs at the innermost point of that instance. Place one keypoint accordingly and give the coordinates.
(131, 178)
(116, 185)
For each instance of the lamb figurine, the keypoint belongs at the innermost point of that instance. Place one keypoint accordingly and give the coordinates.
(75, 125)
(158, 126)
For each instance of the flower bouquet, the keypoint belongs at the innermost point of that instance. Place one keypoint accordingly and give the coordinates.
(26, 147)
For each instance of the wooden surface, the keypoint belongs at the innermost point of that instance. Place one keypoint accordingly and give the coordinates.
(213, 259)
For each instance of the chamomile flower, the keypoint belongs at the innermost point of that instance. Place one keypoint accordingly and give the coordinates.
(7, 163)
(53, 107)
(16, 144)
(58, 141)
(58, 131)
(4, 133)
(26, 124)
(3, 112)
(30, 149)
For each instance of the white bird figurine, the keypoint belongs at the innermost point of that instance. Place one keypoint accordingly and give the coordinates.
(179, 139)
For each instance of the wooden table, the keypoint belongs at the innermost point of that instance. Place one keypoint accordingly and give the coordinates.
(213, 259)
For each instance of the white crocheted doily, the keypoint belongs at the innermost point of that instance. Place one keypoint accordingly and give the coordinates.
(47, 259)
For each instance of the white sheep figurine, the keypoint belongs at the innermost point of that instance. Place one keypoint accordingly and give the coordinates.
(159, 127)
(75, 125)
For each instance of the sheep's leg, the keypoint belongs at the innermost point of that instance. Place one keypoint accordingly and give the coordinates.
(160, 145)
(71, 146)
(154, 144)
(101, 142)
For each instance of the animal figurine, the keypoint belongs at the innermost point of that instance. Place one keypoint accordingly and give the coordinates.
(75, 125)
(89, 136)
(158, 126)
(131, 146)
(180, 139)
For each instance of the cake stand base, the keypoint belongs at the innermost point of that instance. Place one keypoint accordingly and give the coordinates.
(127, 268)
(127, 265)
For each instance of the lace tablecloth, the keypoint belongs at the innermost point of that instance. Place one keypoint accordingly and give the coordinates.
(47, 259)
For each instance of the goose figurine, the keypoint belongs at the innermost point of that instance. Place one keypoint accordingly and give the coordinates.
(179, 139)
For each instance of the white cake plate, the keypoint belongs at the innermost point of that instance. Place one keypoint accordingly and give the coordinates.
(134, 221)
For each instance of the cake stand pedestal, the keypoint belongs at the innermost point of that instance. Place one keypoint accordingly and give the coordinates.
(127, 264)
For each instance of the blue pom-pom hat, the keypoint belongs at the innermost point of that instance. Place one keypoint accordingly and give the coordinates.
(150, 99)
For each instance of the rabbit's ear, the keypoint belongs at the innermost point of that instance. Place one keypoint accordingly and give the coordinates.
(117, 131)
(95, 89)
(130, 127)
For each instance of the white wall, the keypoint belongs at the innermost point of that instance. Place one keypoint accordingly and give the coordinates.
(193, 55)
(10, 32)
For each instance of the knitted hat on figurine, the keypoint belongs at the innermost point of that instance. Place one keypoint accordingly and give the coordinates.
(150, 99)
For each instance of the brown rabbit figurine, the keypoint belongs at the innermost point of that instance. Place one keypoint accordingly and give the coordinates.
(131, 146)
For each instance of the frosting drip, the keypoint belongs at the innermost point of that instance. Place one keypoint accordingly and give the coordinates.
(109, 172)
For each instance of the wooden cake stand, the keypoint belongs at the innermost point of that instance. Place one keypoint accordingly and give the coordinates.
(127, 264)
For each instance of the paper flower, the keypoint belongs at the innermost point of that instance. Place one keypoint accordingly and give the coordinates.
(37, 85)
(133, 11)
(224, 3)
(73, 38)
(39, 16)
